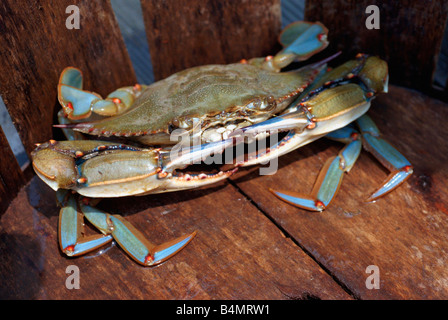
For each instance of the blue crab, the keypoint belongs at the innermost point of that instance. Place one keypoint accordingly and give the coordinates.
(214, 106)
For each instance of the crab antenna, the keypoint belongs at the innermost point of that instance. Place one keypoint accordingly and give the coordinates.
(66, 125)
(326, 60)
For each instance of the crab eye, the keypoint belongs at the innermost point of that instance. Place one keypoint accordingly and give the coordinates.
(269, 103)
(255, 105)
(175, 122)
(265, 104)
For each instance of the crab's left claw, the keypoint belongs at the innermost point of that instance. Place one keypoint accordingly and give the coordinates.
(401, 169)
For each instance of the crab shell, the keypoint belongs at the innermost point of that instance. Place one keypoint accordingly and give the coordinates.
(208, 102)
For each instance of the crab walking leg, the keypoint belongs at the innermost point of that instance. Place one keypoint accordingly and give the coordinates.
(131, 240)
(330, 176)
(300, 40)
(71, 238)
(401, 169)
(79, 104)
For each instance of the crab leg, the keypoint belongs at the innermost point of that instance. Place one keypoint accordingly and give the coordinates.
(401, 169)
(330, 176)
(300, 40)
(79, 104)
(71, 238)
(131, 240)
(312, 37)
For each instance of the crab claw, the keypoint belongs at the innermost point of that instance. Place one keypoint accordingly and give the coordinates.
(290, 121)
(184, 156)
(99, 169)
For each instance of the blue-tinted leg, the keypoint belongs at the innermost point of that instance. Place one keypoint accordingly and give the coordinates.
(71, 238)
(401, 169)
(131, 240)
(330, 176)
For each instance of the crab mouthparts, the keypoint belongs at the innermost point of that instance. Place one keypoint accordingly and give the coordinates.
(189, 176)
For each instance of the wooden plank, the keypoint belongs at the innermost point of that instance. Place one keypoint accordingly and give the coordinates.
(404, 233)
(11, 177)
(409, 37)
(238, 253)
(207, 32)
(35, 46)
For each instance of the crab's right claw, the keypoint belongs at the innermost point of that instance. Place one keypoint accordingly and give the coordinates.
(401, 169)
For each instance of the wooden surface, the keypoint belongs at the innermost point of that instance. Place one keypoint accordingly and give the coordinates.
(11, 176)
(35, 46)
(409, 37)
(251, 245)
(208, 32)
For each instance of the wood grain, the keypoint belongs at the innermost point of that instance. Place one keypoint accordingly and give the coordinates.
(11, 176)
(409, 37)
(238, 253)
(35, 46)
(207, 32)
(404, 233)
